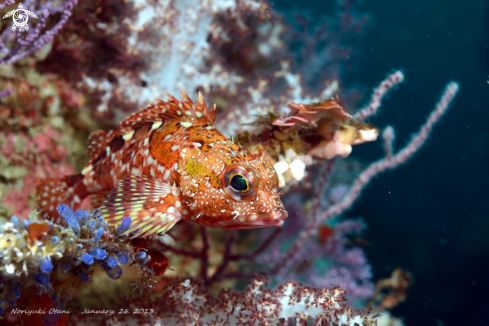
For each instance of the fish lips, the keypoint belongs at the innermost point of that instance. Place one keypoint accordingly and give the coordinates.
(261, 221)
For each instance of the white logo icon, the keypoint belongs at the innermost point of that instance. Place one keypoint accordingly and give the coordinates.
(20, 18)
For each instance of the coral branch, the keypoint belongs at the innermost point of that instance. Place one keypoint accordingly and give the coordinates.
(379, 93)
(263, 246)
(322, 180)
(204, 264)
(225, 259)
(35, 40)
(179, 251)
(389, 162)
(6, 3)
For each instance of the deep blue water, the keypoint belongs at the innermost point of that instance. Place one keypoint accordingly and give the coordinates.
(431, 215)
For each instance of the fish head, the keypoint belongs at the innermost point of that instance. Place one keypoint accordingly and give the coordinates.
(231, 191)
(251, 196)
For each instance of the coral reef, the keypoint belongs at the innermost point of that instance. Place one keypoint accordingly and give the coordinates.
(189, 303)
(54, 260)
(40, 120)
(83, 66)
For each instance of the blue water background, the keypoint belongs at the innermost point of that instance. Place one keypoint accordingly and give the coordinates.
(430, 216)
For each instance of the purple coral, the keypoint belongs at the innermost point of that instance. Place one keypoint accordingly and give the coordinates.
(17, 48)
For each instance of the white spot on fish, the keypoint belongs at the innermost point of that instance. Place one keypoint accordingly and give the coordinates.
(156, 125)
(87, 169)
(128, 135)
(166, 175)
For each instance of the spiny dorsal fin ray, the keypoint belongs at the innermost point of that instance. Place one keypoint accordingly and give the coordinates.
(50, 192)
(172, 111)
(97, 141)
(150, 204)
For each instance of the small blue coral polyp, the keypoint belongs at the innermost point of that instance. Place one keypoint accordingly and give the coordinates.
(45, 265)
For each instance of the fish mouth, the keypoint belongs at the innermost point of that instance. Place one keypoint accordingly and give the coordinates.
(254, 221)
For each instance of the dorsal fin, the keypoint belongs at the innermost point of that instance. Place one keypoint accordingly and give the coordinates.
(97, 141)
(185, 111)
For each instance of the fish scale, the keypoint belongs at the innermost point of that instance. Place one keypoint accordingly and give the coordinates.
(168, 163)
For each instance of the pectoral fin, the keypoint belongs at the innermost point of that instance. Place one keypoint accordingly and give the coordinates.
(153, 206)
(97, 199)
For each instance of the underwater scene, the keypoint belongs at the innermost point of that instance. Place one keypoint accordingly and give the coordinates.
(244, 162)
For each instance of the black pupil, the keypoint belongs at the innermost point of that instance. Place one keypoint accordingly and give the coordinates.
(238, 182)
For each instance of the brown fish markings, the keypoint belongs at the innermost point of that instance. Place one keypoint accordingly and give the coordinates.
(167, 163)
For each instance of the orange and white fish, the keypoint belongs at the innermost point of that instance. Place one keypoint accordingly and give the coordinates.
(167, 163)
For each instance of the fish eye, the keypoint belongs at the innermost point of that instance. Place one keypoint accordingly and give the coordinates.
(239, 183)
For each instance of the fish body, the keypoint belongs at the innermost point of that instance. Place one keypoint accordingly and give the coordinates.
(167, 163)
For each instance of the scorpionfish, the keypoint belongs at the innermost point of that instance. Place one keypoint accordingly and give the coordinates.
(168, 163)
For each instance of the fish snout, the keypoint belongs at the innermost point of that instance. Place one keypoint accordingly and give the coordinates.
(279, 216)
(275, 218)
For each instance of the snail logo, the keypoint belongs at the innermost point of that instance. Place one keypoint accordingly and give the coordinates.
(20, 17)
